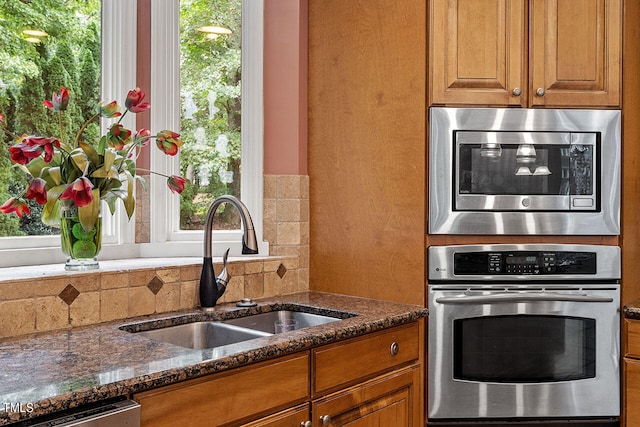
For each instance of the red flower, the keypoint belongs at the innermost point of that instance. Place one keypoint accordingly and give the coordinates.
(134, 101)
(142, 135)
(176, 184)
(37, 190)
(1, 119)
(168, 142)
(22, 154)
(46, 145)
(110, 110)
(58, 102)
(18, 206)
(79, 191)
(118, 136)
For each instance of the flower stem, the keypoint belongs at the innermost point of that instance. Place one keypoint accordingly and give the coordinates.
(60, 126)
(152, 172)
(82, 129)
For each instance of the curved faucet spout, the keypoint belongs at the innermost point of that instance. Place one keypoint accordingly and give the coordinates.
(249, 241)
(211, 289)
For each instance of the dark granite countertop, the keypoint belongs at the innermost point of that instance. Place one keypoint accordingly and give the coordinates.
(58, 371)
(632, 310)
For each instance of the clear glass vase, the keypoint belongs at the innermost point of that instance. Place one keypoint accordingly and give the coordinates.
(81, 246)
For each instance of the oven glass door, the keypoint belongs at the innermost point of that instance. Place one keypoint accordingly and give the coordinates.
(524, 348)
(554, 171)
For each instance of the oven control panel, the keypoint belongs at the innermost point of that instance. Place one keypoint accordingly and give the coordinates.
(524, 263)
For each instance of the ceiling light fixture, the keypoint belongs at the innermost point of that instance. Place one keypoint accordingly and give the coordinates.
(214, 29)
(35, 33)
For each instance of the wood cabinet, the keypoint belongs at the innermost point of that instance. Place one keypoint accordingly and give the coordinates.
(389, 400)
(229, 397)
(366, 148)
(373, 380)
(632, 373)
(554, 53)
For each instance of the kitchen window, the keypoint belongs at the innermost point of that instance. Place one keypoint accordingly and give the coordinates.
(118, 76)
(166, 234)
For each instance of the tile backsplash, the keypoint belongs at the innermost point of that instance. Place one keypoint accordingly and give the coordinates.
(43, 299)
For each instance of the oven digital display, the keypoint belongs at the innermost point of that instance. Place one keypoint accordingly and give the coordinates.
(529, 259)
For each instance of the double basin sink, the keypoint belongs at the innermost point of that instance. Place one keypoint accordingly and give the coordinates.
(219, 333)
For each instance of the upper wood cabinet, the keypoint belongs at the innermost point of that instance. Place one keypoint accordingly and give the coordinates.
(556, 53)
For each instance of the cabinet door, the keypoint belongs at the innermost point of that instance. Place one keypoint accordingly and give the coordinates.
(230, 396)
(293, 417)
(575, 52)
(389, 400)
(632, 392)
(478, 52)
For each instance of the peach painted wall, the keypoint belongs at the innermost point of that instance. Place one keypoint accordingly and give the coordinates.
(285, 87)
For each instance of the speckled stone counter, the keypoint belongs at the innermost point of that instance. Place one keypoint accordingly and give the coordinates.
(632, 310)
(58, 371)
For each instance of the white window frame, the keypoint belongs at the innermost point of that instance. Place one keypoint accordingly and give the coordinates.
(118, 76)
(166, 236)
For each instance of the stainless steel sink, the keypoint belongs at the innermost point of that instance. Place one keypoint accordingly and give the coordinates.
(199, 335)
(265, 321)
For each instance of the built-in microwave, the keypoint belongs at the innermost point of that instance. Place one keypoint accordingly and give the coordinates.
(524, 171)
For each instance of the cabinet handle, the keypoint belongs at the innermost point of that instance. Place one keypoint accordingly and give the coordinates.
(517, 91)
(395, 348)
(540, 92)
(305, 424)
(325, 420)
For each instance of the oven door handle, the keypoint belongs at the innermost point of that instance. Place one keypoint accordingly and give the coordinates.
(519, 297)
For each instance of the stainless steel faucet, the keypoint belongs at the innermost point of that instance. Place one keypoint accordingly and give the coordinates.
(211, 287)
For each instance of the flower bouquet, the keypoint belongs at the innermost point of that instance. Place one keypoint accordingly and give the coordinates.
(70, 178)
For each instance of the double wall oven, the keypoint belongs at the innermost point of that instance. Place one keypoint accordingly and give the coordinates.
(523, 332)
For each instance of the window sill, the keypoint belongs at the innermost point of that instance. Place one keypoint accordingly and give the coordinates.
(112, 266)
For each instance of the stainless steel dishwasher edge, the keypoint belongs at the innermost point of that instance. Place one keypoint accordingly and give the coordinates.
(125, 413)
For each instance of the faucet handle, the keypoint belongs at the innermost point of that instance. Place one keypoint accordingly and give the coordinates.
(223, 278)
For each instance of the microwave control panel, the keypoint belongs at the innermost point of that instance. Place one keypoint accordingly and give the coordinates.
(524, 263)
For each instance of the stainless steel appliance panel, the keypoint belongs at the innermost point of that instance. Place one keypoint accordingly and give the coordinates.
(523, 331)
(515, 211)
(451, 398)
(124, 413)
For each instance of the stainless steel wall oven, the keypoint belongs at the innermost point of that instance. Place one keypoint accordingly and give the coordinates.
(524, 171)
(524, 332)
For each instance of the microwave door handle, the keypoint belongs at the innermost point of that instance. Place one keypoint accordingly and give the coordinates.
(519, 297)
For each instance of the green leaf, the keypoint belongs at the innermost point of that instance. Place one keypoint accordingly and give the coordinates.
(143, 182)
(88, 215)
(111, 198)
(91, 153)
(54, 175)
(36, 165)
(107, 170)
(79, 159)
(51, 210)
(102, 146)
(130, 200)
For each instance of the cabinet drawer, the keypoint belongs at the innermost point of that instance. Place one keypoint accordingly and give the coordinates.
(633, 338)
(632, 392)
(229, 396)
(342, 364)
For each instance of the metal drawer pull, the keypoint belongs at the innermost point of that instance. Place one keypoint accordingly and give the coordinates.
(517, 91)
(540, 92)
(519, 297)
(325, 420)
(305, 424)
(395, 348)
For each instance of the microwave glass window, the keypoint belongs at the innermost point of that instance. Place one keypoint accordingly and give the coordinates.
(524, 348)
(525, 169)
